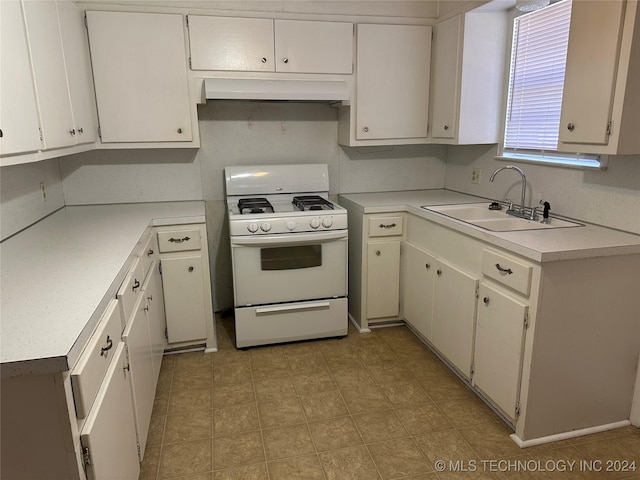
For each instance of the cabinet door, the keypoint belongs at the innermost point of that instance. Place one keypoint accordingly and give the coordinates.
(154, 301)
(594, 39)
(446, 75)
(226, 43)
(143, 382)
(383, 279)
(19, 114)
(78, 66)
(50, 77)
(140, 74)
(313, 47)
(184, 298)
(498, 347)
(454, 313)
(418, 276)
(109, 433)
(392, 88)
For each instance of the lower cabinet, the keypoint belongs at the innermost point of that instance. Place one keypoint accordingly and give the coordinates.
(154, 301)
(108, 439)
(499, 344)
(418, 277)
(383, 279)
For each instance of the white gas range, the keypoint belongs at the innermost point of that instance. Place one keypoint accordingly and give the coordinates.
(289, 254)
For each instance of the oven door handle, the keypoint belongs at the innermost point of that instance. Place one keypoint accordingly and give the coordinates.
(284, 239)
(295, 307)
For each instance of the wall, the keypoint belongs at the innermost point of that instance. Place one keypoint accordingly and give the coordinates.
(21, 201)
(610, 198)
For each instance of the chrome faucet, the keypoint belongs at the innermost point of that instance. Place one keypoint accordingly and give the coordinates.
(521, 212)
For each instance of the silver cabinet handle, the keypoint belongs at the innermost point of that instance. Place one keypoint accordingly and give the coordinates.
(72, 131)
(391, 225)
(179, 240)
(285, 60)
(136, 284)
(365, 129)
(179, 130)
(104, 350)
(80, 130)
(263, 60)
(508, 271)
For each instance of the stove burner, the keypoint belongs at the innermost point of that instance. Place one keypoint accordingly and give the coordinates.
(311, 202)
(254, 205)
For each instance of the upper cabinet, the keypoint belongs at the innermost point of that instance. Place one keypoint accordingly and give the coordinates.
(601, 106)
(468, 78)
(19, 113)
(59, 56)
(391, 100)
(265, 45)
(140, 71)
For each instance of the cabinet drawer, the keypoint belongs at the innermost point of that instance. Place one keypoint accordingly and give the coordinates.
(385, 226)
(149, 253)
(130, 290)
(88, 373)
(179, 240)
(506, 270)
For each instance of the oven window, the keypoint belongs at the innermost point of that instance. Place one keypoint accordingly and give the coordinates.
(291, 258)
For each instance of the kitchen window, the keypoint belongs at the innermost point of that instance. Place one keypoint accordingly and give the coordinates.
(536, 80)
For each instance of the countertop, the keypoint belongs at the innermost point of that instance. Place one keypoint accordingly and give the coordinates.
(57, 276)
(538, 245)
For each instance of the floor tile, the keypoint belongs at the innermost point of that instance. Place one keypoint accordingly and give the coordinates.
(185, 458)
(248, 472)
(363, 399)
(156, 430)
(150, 464)
(192, 399)
(399, 458)
(424, 418)
(194, 378)
(235, 419)
(352, 377)
(287, 442)
(324, 405)
(443, 386)
(274, 389)
(491, 441)
(280, 413)
(160, 404)
(349, 464)
(190, 425)
(270, 368)
(379, 426)
(389, 372)
(235, 372)
(404, 393)
(307, 384)
(237, 450)
(334, 433)
(446, 445)
(342, 361)
(299, 468)
(308, 364)
(467, 411)
(233, 394)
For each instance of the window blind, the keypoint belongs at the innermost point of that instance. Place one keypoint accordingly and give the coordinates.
(536, 78)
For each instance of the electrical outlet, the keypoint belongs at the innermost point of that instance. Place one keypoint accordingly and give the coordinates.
(475, 176)
(43, 192)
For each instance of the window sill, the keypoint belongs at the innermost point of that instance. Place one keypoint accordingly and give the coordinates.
(562, 162)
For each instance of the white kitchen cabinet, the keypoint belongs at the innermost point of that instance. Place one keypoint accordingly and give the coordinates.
(19, 114)
(383, 279)
(186, 285)
(266, 45)
(499, 345)
(154, 304)
(140, 74)
(391, 100)
(601, 106)
(108, 437)
(467, 88)
(418, 275)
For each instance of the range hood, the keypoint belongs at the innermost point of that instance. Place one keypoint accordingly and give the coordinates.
(267, 89)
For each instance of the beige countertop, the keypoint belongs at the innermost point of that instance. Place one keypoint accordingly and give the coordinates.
(538, 245)
(57, 276)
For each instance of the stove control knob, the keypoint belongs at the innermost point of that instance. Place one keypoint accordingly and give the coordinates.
(315, 223)
(265, 227)
(327, 222)
(252, 227)
(291, 225)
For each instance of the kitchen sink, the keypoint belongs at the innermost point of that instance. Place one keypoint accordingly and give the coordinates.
(478, 214)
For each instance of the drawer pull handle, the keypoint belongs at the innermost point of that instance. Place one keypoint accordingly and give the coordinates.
(104, 350)
(150, 252)
(136, 284)
(508, 271)
(179, 240)
(427, 266)
(378, 253)
(150, 298)
(191, 269)
(439, 272)
(391, 225)
(127, 368)
(486, 300)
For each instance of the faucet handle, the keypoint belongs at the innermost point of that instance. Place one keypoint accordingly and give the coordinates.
(510, 202)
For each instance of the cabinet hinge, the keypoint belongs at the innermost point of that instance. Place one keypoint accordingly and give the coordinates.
(86, 25)
(160, 267)
(139, 452)
(186, 19)
(40, 133)
(526, 320)
(609, 127)
(517, 409)
(166, 333)
(99, 132)
(473, 369)
(86, 456)
(477, 291)
(354, 28)
(190, 62)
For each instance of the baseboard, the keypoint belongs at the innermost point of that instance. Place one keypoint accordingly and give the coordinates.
(566, 435)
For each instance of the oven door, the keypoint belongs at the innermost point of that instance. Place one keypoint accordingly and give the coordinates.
(289, 267)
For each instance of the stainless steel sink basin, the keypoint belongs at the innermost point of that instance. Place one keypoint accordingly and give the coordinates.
(478, 214)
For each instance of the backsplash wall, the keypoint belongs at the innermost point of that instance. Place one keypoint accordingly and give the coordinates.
(610, 198)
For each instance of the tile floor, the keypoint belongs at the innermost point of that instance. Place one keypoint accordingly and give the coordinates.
(366, 407)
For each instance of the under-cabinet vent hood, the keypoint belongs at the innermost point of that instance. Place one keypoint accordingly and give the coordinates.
(265, 89)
